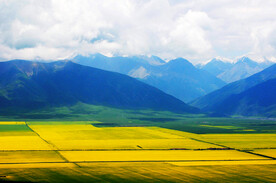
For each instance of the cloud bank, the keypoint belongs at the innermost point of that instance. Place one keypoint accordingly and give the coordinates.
(196, 29)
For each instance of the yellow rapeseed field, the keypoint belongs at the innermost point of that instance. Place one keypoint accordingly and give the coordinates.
(88, 131)
(29, 157)
(17, 136)
(86, 136)
(131, 144)
(267, 152)
(242, 141)
(23, 143)
(216, 163)
(175, 132)
(157, 155)
(12, 123)
(79, 151)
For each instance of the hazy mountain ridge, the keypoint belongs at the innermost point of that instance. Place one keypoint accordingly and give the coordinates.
(182, 80)
(230, 72)
(29, 85)
(216, 66)
(178, 77)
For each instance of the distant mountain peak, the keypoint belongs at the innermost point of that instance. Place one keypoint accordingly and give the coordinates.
(180, 65)
(217, 66)
(89, 56)
(217, 61)
(155, 60)
(152, 60)
(181, 61)
(247, 61)
(214, 60)
(222, 59)
(244, 59)
(232, 71)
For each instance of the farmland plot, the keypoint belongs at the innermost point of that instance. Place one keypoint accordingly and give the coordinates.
(88, 137)
(242, 141)
(81, 152)
(29, 157)
(266, 152)
(17, 136)
(155, 155)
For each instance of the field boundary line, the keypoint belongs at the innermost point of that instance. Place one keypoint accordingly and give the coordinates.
(51, 144)
(257, 154)
(229, 148)
(212, 143)
(55, 148)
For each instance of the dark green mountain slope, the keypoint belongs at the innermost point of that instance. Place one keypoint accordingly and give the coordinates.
(212, 101)
(259, 100)
(29, 85)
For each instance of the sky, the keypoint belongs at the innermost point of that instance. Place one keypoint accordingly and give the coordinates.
(197, 30)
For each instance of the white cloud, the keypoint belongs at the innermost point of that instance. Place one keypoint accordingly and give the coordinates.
(195, 29)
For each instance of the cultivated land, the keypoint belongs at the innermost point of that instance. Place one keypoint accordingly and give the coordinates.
(82, 151)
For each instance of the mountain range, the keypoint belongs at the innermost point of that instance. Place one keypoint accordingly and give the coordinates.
(30, 85)
(230, 72)
(177, 77)
(145, 83)
(254, 95)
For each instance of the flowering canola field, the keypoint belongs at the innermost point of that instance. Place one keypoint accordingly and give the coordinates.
(79, 151)
(88, 137)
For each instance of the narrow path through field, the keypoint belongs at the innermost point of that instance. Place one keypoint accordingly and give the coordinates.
(55, 148)
(229, 148)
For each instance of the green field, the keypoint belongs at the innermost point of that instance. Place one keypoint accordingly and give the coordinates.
(112, 117)
(82, 151)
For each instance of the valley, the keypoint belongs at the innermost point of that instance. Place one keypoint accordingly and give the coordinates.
(62, 121)
(137, 91)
